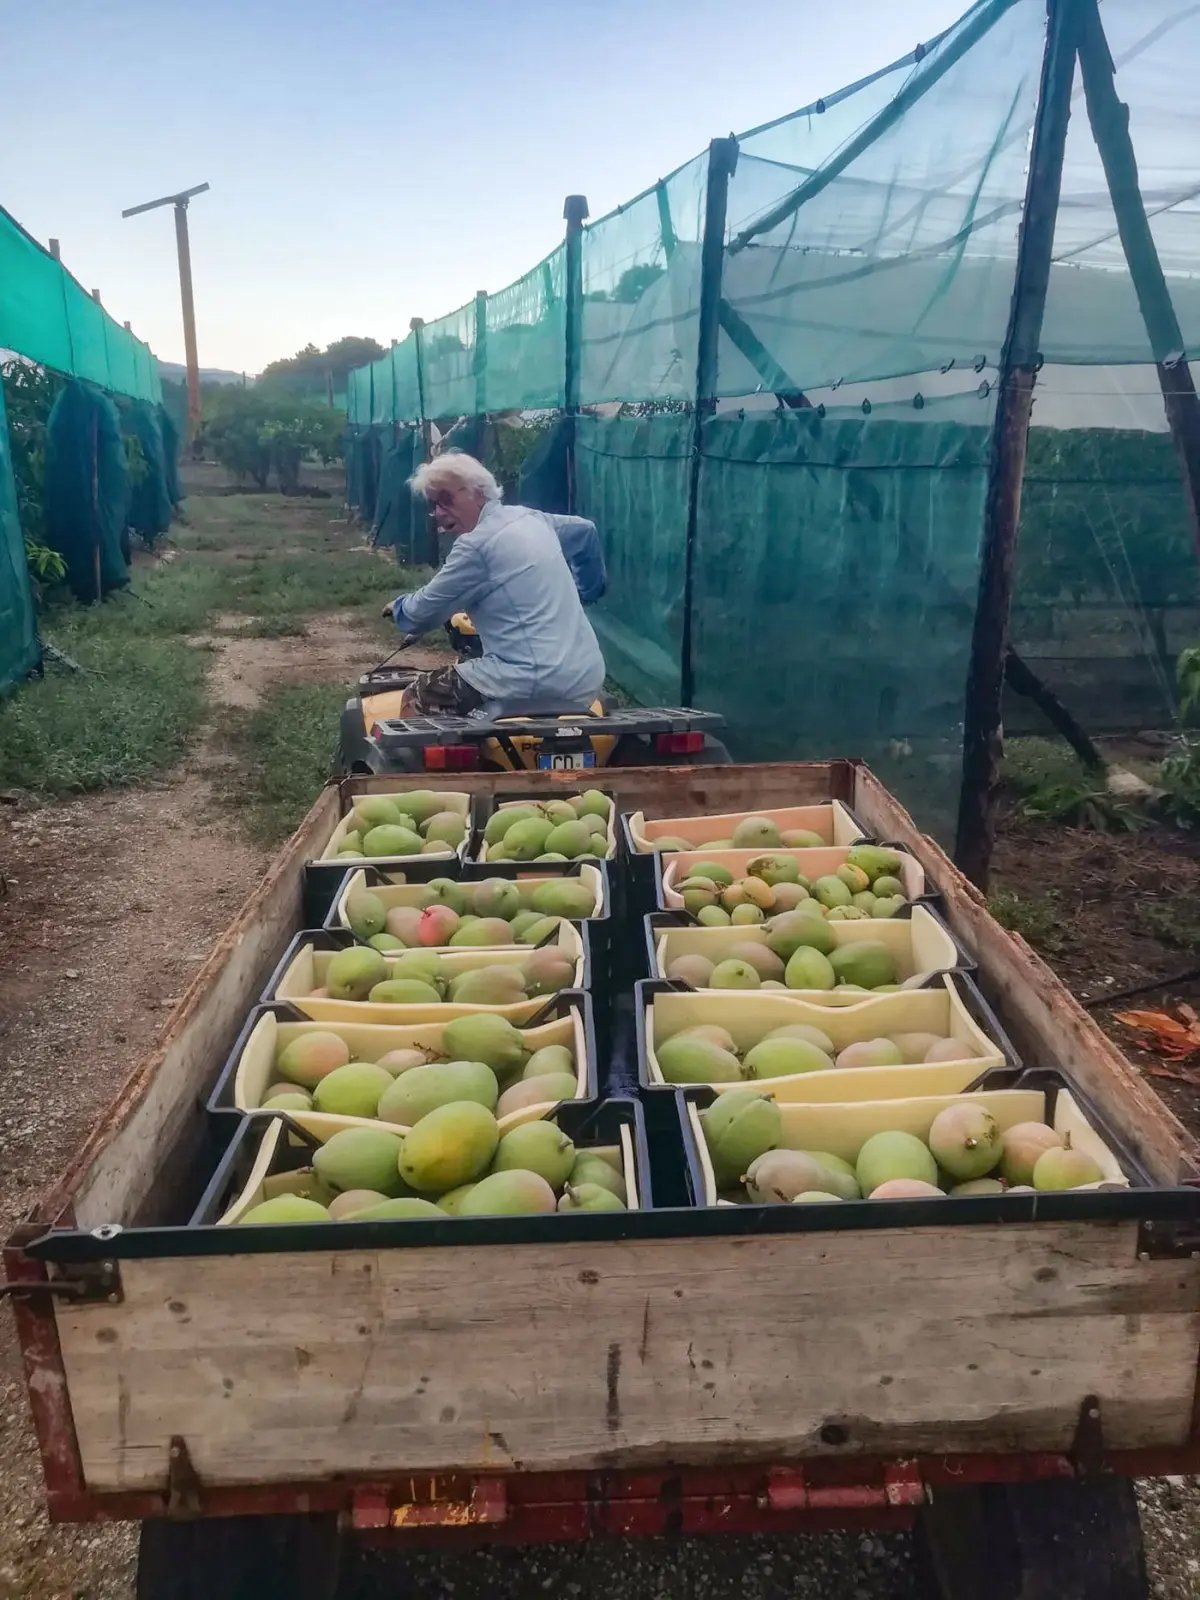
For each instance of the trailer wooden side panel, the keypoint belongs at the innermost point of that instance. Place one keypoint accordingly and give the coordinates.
(296, 1367)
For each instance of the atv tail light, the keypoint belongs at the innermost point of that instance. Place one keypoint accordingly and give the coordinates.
(678, 744)
(451, 757)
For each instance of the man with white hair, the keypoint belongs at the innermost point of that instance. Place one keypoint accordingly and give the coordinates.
(523, 576)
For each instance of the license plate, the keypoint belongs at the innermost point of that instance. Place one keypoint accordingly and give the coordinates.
(567, 761)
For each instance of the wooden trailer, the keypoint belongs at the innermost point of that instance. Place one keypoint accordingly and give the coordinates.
(683, 1372)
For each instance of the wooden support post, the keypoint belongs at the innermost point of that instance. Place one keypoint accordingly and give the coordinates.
(1109, 118)
(982, 715)
(722, 159)
(417, 327)
(183, 248)
(575, 210)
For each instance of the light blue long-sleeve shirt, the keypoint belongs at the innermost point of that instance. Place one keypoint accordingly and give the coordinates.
(511, 573)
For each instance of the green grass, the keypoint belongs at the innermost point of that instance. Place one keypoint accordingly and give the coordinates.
(1036, 917)
(1174, 922)
(127, 720)
(285, 749)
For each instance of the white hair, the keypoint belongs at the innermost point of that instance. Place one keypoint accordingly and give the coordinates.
(455, 469)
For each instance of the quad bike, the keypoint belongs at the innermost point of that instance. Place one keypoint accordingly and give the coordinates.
(378, 735)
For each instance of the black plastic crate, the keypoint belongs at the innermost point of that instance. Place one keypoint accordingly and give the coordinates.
(631, 1063)
(330, 939)
(644, 879)
(587, 1122)
(323, 879)
(657, 923)
(1143, 1200)
(488, 804)
(572, 1003)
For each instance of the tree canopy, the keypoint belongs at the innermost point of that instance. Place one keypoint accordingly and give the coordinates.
(307, 372)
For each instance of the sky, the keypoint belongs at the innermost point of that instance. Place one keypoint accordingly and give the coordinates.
(381, 159)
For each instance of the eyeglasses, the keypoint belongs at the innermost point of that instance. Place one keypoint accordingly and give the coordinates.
(442, 499)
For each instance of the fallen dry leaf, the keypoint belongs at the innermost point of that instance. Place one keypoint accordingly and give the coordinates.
(1164, 1034)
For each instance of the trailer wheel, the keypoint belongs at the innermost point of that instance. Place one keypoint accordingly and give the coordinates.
(1054, 1540)
(240, 1558)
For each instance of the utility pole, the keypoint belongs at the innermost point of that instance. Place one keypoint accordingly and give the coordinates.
(180, 202)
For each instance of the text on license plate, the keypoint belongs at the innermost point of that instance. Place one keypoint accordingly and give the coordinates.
(567, 761)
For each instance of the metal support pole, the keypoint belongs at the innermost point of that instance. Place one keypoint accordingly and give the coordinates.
(1109, 118)
(982, 718)
(575, 210)
(55, 249)
(417, 325)
(189, 317)
(722, 160)
(480, 365)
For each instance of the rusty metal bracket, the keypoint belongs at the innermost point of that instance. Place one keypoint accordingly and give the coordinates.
(183, 1486)
(1087, 1449)
(83, 1283)
(1168, 1241)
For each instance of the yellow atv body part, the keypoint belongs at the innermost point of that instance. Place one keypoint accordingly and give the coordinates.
(462, 623)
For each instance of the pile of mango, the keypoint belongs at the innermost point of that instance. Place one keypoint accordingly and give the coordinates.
(706, 1053)
(965, 1153)
(422, 978)
(411, 824)
(796, 950)
(867, 884)
(751, 833)
(553, 830)
(483, 1059)
(446, 912)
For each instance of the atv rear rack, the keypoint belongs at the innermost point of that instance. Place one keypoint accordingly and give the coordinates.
(406, 733)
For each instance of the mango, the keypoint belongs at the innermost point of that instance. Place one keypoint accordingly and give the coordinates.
(756, 833)
(539, 1147)
(375, 810)
(591, 1168)
(738, 1128)
(446, 827)
(950, 1050)
(853, 877)
(734, 975)
(366, 914)
(592, 803)
(803, 1030)
(906, 1189)
(789, 895)
(550, 1058)
(746, 915)
(535, 932)
(589, 1197)
(965, 1140)
(784, 1058)
(695, 1060)
(1021, 1146)
(404, 992)
(285, 1208)
(453, 1144)
(413, 1095)
(764, 960)
(354, 1200)
(775, 869)
(527, 839)
(390, 840)
(831, 891)
(505, 818)
(696, 894)
(564, 897)
(403, 922)
(809, 969)
(405, 1208)
(352, 974)
(815, 1197)
(453, 1199)
(874, 859)
(1065, 1168)
(891, 907)
(291, 1099)
(714, 872)
(487, 986)
(870, 1053)
(843, 1181)
(385, 943)
(890, 1155)
(424, 964)
(352, 1090)
(508, 1194)
(492, 1040)
(421, 804)
(360, 1158)
(308, 1058)
(713, 917)
(545, 1089)
(887, 887)
(448, 892)
(712, 1031)
(481, 932)
(864, 902)
(436, 925)
(914, 1046)
(790, 930)
(571, 839)
(778, 1176)
(801, 839)
(978, 1186)
(496, 897)
(867, 962)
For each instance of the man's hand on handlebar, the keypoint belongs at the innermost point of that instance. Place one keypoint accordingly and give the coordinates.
(389, 611)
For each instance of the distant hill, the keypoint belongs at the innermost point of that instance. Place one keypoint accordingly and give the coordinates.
(174, 372)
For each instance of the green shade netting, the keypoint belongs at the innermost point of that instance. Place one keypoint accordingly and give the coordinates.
(525, 329)
(448, 361)
(87, 490)
(400, 517)
(19, 652)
